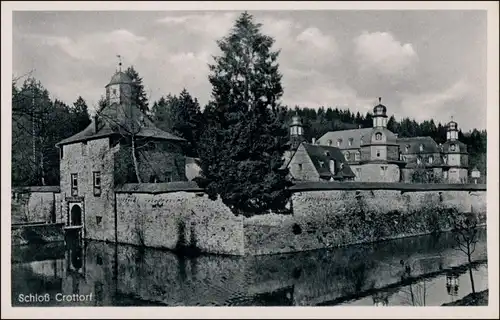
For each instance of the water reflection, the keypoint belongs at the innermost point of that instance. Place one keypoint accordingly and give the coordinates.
(127, 275)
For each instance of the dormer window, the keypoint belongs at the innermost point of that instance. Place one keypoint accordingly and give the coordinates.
(378, 136)
(329, 142)
(339, 142)
(431, 160)
(347, 155)
(419, 161)
(421, 147)
(407, 148)
(453, 147)
(357, 156)
(332, 166)
(350, 142)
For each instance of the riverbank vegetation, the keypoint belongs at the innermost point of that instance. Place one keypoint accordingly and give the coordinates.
(472, 299)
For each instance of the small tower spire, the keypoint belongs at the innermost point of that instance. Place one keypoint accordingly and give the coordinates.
(379, 100)
(119, 62)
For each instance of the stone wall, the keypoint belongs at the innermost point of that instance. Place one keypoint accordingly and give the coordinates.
(332, 218)
(177, 220)
(34, 204)
(179, 215)
(372, 172)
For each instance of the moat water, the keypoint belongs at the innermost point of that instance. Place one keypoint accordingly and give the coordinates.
(103, 274)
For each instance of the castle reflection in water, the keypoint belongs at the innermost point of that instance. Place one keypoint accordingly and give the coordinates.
(119, 275)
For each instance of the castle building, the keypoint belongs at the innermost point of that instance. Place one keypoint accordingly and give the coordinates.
(378, 155)
(312, 162)
(121, 145)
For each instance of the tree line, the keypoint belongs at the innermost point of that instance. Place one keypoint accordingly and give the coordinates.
(239, 136)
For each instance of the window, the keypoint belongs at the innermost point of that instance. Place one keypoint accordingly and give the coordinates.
(383, 169)
(98, 220)
(419, 161)
(407, 148)
(74, 184)
(431, 160)
(329, 142)
(299, 165)
(421, 148)
(357, 156)
(339, 142)
(378, 136)
(452, 147)
(378, 153)
(114, 91)
(84, 148)
(332, 166)
(97, 183)
(347, 155)
(168, 177)
(350, 142)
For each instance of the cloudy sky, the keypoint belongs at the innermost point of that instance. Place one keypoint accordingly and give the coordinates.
(424, 64)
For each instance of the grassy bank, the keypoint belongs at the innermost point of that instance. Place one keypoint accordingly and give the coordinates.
(478, 299)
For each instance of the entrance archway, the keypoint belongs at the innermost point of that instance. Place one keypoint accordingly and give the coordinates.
(76, 216)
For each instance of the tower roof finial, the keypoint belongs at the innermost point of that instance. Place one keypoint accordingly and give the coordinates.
(379, 100)
(119, 62)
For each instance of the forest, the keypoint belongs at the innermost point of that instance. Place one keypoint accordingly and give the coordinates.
(39, 122)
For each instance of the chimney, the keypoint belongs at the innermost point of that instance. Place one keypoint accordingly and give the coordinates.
(96, 123)
(313, 140)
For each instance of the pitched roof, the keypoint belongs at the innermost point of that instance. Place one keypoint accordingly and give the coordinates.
(118, 78)
(118, 119)
(344, 135)
(321, 156)
(429, 145)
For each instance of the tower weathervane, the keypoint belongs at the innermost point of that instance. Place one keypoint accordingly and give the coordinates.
(379, 100)
(119, 62)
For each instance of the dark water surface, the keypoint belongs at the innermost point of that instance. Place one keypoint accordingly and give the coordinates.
(102, 274)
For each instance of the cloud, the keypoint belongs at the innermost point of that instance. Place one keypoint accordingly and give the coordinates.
(210, 25)
(102, 48)
(441, 104)
(308, 46)
(314, 89)
(382, 53)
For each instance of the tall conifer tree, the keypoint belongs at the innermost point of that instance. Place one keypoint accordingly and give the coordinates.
(243, 143)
